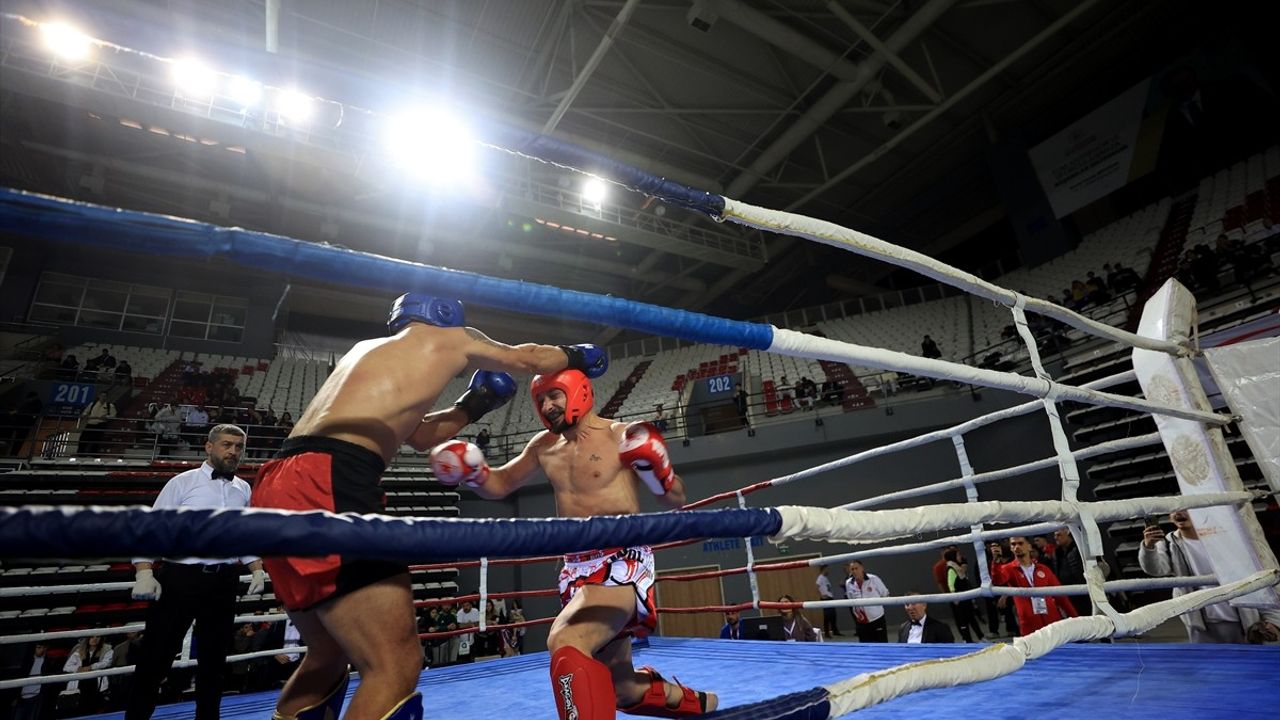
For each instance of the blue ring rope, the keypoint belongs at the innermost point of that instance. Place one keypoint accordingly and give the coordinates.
(60, 220)
(45, 532)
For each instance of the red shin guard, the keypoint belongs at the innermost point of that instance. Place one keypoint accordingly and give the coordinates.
(654, 702)
(583, 686)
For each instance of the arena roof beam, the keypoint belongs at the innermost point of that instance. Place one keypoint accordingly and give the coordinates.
(854, 77)
(592, 63)
(893, 58)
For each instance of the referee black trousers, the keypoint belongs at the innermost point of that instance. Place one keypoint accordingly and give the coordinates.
(187, 593)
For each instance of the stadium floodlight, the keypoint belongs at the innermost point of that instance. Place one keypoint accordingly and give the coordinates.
(65, 41)
(295, 106)
(244, 91)
(433, 145)
(193, 78)
(594, 190)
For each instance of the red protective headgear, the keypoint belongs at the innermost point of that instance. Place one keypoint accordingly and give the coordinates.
(578, 396)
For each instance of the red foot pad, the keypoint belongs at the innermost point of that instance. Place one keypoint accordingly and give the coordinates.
(654, 702)
(583, 686)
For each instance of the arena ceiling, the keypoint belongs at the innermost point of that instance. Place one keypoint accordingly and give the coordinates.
(870, 113)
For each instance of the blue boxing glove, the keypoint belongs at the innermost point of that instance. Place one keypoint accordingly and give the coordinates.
(488, 391)
(592, 360)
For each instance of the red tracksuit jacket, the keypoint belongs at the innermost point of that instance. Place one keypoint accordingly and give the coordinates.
(1029, 621)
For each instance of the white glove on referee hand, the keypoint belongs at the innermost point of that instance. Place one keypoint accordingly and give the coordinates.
(145, 586)
(257, 583)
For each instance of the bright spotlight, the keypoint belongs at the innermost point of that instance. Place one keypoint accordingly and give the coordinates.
(295, 106)
(194, 79)
(65, 41)
(244, 91)
(432, 144)
(594, 191)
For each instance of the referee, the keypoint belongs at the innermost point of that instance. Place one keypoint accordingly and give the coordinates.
(199, 589)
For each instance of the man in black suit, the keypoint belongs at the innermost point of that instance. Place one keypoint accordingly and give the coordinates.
(920, 628)
(34, 701)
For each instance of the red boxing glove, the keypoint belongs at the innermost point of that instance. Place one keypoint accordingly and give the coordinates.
(459, 462)
(643, 448)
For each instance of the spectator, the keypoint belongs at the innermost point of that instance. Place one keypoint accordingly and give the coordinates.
(1033, 612)
(929, 348)
(732, 628)
(1079, 294)
(795, 626)
(483, 440)
(1046, 550)
(103, 362)
(89, 654)
(1181, 553)
(124, 652)
(32, 699)
(286, 420)
(284, 664)
(444, 651)
(269, 417)
(786, 397)
(69, 368)
(869, 619)
(468, 617)
(1068, 563)
(806, 393)
(961, 610)
(831, 394)
(829, 625)
(996, 607)
(513, 638)
(660, 418)
(920, 628)
(196, 424)
(741, 401)
(166, 424)
(124, 373)
(96, 419)
(190, 372)
(1096, 289)
(940, 568)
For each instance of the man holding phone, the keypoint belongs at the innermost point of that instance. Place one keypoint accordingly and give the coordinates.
(1181, 553)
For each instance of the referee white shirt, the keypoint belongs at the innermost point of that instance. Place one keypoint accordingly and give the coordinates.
(196, 488)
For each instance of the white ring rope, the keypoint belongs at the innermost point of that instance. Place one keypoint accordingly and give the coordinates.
(1131, 585)
(135, 627)
(126, 669)
(1111, 446)
(939, 435)
(846, 526)
(829, 233)
(812, 347)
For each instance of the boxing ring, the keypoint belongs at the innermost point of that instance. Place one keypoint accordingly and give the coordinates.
(1041, 674)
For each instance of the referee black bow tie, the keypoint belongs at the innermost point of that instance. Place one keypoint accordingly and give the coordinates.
(223, 475)
(919, 623)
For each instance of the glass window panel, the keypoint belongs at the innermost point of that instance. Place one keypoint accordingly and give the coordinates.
(51, 314)
(58, 293)
(225, 334)
(148, 304)
(99, 319)
(191, 311)
(179, 328)
(224, 314)
(134, 323)
(96, 298)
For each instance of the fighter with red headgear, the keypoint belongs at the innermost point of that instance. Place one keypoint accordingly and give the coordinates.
(359, 611)
(596, 467)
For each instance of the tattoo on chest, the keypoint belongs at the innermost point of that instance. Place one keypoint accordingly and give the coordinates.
(595, 458)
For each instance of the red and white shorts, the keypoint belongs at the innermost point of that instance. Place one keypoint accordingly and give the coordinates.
(615, 568)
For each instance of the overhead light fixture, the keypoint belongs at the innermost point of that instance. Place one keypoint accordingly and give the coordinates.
(245, 91)
(193, 78)
(594, 191)
(295, 106)
(65, 41)
(432, 144)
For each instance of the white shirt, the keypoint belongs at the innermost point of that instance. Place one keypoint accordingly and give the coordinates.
(916, 633)
(1198, 559)
(824, 587)
(468, 617)
(872, 587)
(197, 417)
(196, 488)
(292, 639)
(37, 666)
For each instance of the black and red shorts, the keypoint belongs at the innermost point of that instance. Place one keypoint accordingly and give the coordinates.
(320, 473)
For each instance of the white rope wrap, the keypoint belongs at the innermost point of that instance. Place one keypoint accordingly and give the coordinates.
(831, 234)
(996, 661)
(845, 526)
(798, 344)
